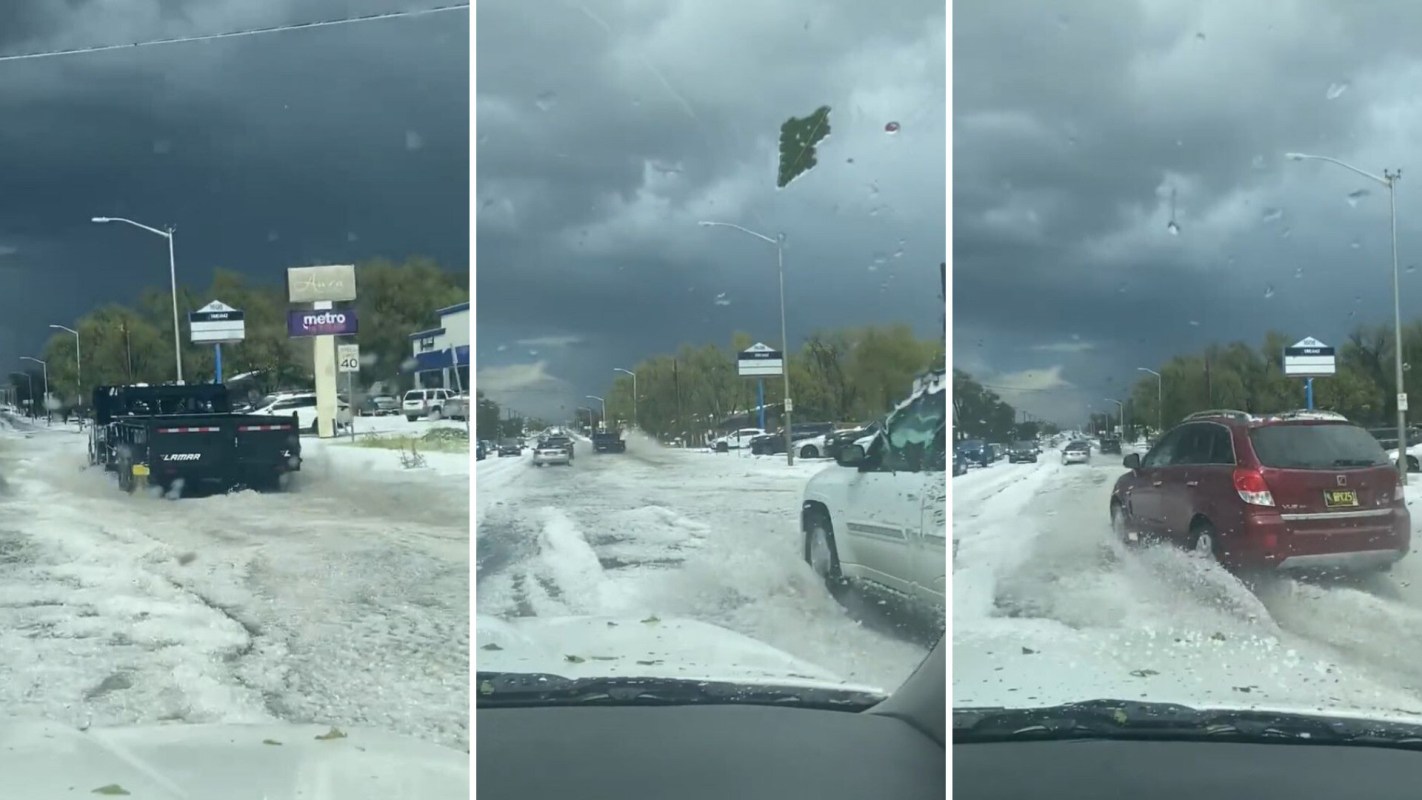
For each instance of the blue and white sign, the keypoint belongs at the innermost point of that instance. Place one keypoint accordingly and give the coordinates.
(1310, 358)
(217, 323)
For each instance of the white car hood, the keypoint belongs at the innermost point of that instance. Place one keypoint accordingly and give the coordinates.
(217, 762)
(587, 647)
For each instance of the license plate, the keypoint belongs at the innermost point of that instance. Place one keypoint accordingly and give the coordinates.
(140, 469)
(1340, 497)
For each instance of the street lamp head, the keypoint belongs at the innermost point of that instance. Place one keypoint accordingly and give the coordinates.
(1296, 156)
(101, 219)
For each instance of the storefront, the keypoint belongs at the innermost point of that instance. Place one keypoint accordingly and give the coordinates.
(441, 355)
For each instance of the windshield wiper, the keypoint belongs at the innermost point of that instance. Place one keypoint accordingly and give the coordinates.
(1125, 719)
(523, 689)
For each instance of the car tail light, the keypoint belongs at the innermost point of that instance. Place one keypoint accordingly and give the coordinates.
(1251, 487)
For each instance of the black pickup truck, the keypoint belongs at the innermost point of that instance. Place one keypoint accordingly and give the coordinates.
(177, 436)
(608, 442)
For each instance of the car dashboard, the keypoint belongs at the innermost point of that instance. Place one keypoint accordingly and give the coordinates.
(895, 749)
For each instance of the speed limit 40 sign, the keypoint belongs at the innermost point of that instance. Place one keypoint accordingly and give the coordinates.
(348, 357)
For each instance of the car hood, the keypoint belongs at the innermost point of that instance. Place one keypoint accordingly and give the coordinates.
(215, 762)
(1028, 663)
(647, 647)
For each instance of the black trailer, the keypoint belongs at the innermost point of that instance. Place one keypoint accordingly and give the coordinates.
(608, 442)
(175, 437)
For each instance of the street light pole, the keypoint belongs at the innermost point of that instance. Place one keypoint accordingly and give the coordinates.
(1123, 413)
(45, 366)
(604, 407)
(1159, 401)
(173, 281)
(634, 392)
(1389, 179)
(779, 242)
(78, 364)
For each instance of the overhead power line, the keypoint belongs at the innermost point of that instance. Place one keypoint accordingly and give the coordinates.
(295, 26)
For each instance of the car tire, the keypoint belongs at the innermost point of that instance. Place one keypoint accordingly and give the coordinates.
(722, 447)
(1204, 541)
(822, 555)
(409, 418)
(1120, 528)
(809, 451)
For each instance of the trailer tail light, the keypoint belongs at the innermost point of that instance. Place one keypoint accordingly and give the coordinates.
(187, 430)
(264, 427)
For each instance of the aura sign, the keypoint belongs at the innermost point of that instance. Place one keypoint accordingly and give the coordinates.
(331, 322)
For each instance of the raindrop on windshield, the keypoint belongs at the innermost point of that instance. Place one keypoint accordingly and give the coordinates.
(1411, 268)
(1258, 162)
(272, 236)
(1336, 90)
(162, 147)
(1173, 228)
(547, 100)
(1268, 292)
(413, 140)
(1356, 243)
(1195, 323)
(502, 348)
(1356, 197)
(891, 127)
(1298, 273)
(1271, 214)
(1286, 233)
(351, 236)
(1200, 37)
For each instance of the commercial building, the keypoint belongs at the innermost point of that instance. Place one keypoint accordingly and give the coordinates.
(441, 355)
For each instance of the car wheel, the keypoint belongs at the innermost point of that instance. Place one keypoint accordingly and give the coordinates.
(410, 418)
(822, 555)
(1119, 526)
(722, 447)
(809, 451)
(1204, 542)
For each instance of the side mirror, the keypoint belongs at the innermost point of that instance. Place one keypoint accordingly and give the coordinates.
(850, 456)
(1132, 461)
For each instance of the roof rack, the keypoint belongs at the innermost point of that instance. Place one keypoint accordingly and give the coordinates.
(1228, 413)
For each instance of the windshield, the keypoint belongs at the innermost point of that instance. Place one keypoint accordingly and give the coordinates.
(655, 173)
(229, 202)
(1316, 447)
(1207, 207)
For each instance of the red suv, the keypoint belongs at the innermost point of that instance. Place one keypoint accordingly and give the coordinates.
(1298, 490)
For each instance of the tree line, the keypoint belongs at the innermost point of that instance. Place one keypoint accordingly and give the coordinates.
(980, 413)
(133, 343)
(845, 375)
(1240, 376)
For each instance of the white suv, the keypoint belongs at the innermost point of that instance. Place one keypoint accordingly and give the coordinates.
(879, 519)
(735, 440)
(424, 403)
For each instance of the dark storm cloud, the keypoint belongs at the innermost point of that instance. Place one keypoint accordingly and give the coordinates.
(1072, 131)
(607, 129)
(330, 144)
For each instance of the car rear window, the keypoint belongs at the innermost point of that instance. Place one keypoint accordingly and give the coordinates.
(1316, 447)
(415, 394)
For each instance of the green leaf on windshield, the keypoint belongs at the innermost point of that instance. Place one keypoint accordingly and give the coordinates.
(798, 138)
(111, 789)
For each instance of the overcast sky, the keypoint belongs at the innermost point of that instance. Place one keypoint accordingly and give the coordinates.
(312, 146)
(608, 128)
(1072, 131)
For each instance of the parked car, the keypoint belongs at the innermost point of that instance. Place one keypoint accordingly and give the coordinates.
(960, 464)
(1077, 452)
(419, 403)
(1022, 452)
(808, 439)
(858, 529)
(837, 440)
(737, 439)
(1296, 491)
(456, 407)
(379, 405)
(303, 405)
(480, 452)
